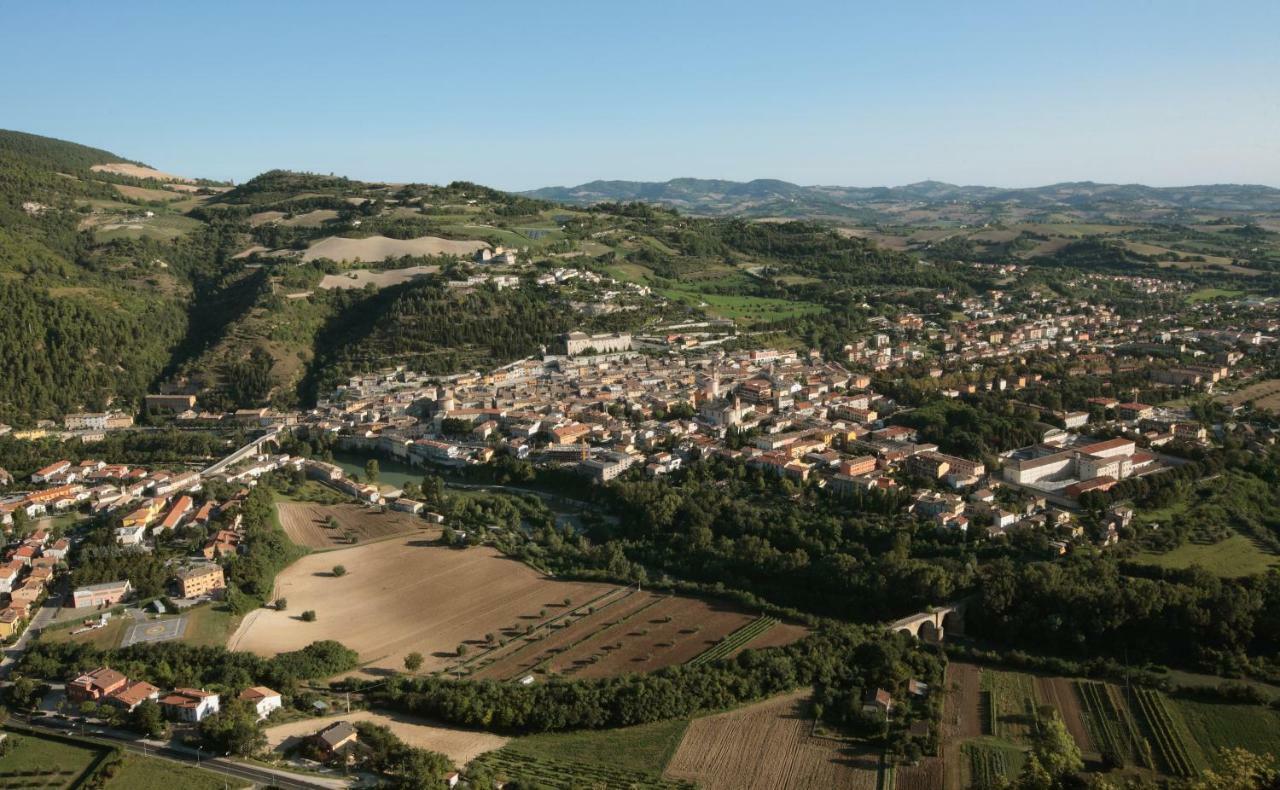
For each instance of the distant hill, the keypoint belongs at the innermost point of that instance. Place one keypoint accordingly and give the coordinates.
(1081, 200)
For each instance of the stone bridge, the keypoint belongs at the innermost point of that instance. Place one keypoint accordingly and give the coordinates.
(252, 448)
(935, 624)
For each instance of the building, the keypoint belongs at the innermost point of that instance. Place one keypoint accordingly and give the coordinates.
(202, 579)
(576, 343)
(133, 694)
(190, 705)
(10, 622)
(173, 403)
(338, 739)
(877, 701)
(50, 471)
(602, 470)
(96, 685)
(105, 594)
(264, 700)
(97, 421)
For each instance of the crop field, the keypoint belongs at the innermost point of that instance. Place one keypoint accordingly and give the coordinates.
(992, 763)
(638, 753)
(459, 745)
(623, 630)
(378, 248)
(1061, 694)
(1177, 754)
(1216, 726)
(307, 524)
(1264, 394)
(769, 745)
(1112, 726)
(407, 595)
(1010, 705)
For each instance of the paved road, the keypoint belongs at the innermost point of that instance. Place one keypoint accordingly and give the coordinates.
(42, 617)
(255, 775)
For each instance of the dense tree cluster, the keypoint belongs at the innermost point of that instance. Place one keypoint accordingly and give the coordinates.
(174, 664)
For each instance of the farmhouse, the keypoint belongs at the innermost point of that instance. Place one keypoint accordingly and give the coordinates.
(336, 740)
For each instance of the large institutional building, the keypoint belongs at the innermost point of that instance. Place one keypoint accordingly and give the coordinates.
(576, 343)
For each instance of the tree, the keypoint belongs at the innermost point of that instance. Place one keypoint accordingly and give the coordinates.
(234, 729)
(282, 603)
(462, 650)
(147, 720)
(1055, 754)
(25, 692)
(331, 522)
(371, 470)
(413, 661)
(309, 616)
(1239, 769)
(432, 488)
(339, 570)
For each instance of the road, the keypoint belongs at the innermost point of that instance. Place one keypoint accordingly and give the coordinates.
(254, 774)
(42, 617)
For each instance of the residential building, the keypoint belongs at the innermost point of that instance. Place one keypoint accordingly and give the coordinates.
(202, 579)
(263, 700)
(190, 705)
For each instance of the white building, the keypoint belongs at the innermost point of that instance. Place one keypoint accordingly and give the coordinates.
(263, 700)
(190, 705)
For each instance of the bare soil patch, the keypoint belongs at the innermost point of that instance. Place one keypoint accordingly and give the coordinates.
(379, 248)
(137, 171)
(311, 219)
(359, 278)
(307, 524)
(406, 595)
(460, 746)
(1061, 694)
(769, 745)
(263, 217)
(962, 712)
(626, 631)
(142, 193)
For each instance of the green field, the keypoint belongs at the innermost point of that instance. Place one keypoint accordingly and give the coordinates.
(33, 761)
(105, 638)
(1233, 557)
(1205, 294)
(164, 227)
(630, 757)
(149, 773)
(210, 625)
(743, 309)
(1218, 726)
(992, 762)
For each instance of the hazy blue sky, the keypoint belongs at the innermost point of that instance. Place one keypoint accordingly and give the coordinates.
(526, 94)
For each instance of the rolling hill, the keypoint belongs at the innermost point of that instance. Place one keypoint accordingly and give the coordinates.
(770, 197)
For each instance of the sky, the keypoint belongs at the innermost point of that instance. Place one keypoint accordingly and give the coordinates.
(519, 95)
